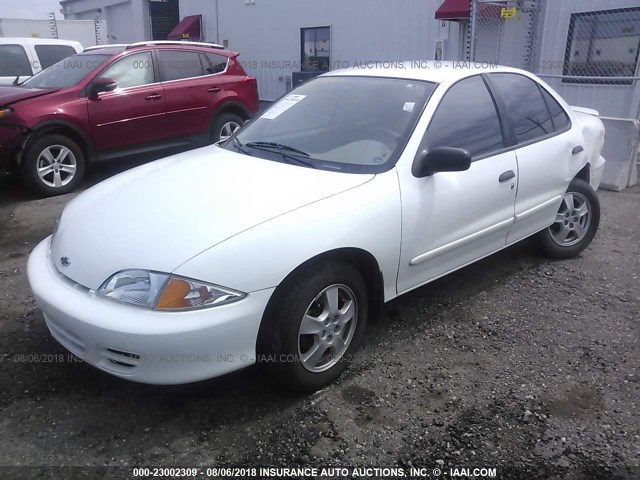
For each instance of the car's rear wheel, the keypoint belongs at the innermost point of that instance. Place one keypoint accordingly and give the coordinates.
(52, 165)
(225, 126)
(575, 225)
(315, 327)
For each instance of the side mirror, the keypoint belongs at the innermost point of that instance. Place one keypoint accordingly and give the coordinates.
(100, 85)
(441, 159)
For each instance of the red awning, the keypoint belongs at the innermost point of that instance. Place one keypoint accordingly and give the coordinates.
(453, 10)
(188, 28)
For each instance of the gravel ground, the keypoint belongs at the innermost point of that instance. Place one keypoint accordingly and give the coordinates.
(517, 363)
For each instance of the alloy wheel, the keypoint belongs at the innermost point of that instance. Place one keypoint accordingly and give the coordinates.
(228, 129)
(56, 166)
(572, 220)
(327, 328)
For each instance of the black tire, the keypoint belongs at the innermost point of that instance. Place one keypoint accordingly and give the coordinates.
(221, 121)
(548, 243)
(30, 164)
(279, 341)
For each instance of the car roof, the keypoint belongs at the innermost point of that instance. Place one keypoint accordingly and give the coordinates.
(40, 41)
(426, 70)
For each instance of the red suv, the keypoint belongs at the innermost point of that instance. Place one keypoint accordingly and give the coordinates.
(114, 101)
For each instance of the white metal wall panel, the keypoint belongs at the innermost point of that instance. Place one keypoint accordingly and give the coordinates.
(267, 33)
(82, 31)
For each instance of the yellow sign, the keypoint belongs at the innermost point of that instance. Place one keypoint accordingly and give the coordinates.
(507, 13)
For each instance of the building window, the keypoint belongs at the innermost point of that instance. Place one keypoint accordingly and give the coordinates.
(316, 48)
(603, 44)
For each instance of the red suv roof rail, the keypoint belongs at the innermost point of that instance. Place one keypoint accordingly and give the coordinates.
(174, 42)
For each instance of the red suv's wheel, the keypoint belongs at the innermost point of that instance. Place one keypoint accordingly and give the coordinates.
(225, 125)
(52, 165)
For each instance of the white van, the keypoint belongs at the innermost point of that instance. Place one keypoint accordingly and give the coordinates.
(24, 57)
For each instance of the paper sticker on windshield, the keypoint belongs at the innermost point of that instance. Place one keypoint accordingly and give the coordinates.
(282, 106)
(409, 106)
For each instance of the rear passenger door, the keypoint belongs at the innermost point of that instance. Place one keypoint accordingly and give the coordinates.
(193, 90)
(544, 144)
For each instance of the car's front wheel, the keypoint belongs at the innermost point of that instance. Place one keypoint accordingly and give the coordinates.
(575, 225)
(52, 165)
(314, 328)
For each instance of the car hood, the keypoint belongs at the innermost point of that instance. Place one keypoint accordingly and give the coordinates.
(9, 95)
(160, 215)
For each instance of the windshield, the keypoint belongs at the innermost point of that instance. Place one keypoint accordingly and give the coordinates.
(66, 72)
(357, 124)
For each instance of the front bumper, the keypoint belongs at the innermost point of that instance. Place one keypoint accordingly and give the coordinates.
(145, 345)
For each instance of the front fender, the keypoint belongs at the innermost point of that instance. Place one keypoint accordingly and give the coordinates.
(366, 217)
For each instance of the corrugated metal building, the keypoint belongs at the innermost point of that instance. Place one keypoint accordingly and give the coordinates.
(269, 34)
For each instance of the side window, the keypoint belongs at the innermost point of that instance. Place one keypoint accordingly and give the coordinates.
(466, 118)
(218, 63)
(14, 61)
(558, 115)
(131, 71)
(528, 111)
(177, 64)
(50, 54)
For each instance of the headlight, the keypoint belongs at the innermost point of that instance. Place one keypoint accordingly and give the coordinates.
(162, 291)
(4, 112)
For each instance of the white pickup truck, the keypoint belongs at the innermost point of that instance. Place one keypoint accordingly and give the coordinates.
(23, 57)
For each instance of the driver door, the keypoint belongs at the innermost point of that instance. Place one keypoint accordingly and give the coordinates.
(450, 219)
(134, 113)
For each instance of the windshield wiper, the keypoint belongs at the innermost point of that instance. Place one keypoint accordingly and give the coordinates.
(281, 149)
(238, 144)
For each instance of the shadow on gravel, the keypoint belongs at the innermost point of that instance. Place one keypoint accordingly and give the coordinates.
(241, 397)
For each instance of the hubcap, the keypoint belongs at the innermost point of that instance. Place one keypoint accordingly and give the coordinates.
(228, 129)
(327, 328)
(572, 220)
(56, 166)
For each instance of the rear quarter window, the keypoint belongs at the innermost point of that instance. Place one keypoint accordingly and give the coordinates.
(50, 54)
(218, 63)
(558, 115)
(14, 61)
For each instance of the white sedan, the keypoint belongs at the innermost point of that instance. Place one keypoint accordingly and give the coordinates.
(277, 245)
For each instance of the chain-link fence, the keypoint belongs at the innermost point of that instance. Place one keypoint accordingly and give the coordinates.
(597, 47)
(602, 46)
(505, 32)
(587, 50)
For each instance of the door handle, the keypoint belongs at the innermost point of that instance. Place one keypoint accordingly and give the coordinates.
(508, 175)
(214, 90)
(577, 149)
(153, 97)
